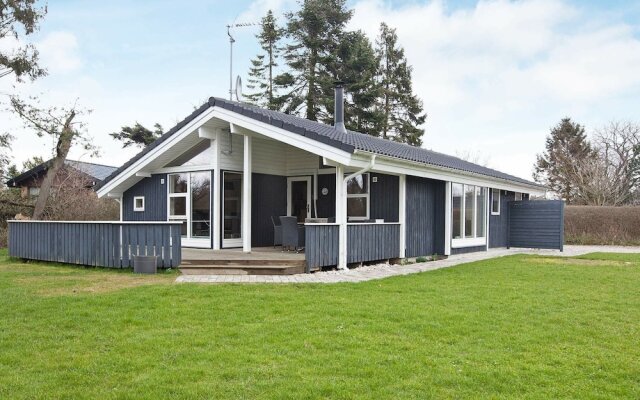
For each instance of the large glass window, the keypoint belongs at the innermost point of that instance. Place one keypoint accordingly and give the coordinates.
(456, 191)
(190, 203)
(468, 212)
(358, 197)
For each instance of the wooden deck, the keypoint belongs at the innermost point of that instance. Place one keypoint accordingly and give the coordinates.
(261, 261)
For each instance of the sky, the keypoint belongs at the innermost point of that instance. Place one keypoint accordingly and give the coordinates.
(494, 75)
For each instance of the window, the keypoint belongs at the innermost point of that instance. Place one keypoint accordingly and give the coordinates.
(34, 191)
(138, 203)
(468, 211)
(495, 201)
(358, 197)
(190, 203)
(518, 196)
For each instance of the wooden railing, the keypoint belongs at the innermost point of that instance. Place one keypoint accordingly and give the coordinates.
(99, 244)
(365, 242)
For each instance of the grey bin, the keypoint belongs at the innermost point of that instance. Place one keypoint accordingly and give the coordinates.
(145, 264)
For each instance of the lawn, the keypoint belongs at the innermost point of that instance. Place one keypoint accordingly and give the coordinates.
(513, 327)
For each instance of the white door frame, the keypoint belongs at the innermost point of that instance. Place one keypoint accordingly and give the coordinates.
(236, 242)
(291, 179)
(190, 241)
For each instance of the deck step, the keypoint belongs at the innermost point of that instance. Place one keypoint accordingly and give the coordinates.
(246, 262)
(254, 269)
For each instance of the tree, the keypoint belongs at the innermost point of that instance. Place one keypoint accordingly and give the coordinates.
(137, 135)
(611, 177)
(32, 163)
(356, 67)
(261, 73)
(16, 17)
(315, 31)
(61, 125)
(566, 149)
(402, 111)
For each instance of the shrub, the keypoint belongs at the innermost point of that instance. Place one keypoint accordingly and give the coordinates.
(596, 225)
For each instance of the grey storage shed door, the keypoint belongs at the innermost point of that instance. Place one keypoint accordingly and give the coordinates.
(537, 224)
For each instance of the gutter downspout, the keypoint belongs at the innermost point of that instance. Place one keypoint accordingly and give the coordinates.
(342, 238)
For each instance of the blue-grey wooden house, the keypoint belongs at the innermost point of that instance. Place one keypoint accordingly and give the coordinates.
(228, 168)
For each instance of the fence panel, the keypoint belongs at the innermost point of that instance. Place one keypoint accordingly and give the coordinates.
(536, 224)
(98, 244)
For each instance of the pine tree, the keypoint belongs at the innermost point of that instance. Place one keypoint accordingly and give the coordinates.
(315, 32)
(261, 73)
(401, 111)
(356, 67)
(566, 147)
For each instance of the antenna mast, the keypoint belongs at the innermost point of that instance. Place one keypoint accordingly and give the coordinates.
(231, 42)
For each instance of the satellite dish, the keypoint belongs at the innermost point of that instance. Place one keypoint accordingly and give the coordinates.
(238, 88)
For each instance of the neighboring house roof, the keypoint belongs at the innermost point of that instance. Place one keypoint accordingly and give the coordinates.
(95, 171)
(349, 141)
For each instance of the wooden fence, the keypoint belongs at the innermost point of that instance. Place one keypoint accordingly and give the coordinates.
(98, 244)
(365, 242)
(536, 224)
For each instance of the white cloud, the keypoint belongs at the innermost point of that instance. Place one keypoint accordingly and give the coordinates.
(496, 76)
(59, 52)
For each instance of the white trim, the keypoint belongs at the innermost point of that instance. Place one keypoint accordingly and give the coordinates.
(486, 216)
(341, 217)
(138, 165)
(448, 219)
(399, 166)
(246, 198)
(292, 179)
(121, 205)
(493, 190)
(468, 242)
(402, 213)
(135, 201)
(184, 168)
(366, 195)
(189, 240)
(282, 135)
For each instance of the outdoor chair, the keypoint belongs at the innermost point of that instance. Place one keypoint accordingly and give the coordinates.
(277, 231)
(292, 234)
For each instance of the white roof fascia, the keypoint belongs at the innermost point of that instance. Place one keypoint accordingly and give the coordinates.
(398, 166)
(140, 164)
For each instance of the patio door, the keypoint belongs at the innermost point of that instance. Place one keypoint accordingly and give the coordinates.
(299, 197)
(190, 203)
(231, 209)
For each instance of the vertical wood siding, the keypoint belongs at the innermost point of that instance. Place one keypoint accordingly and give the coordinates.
(384, 197)
(465, 250)
(268, 198)
(155, 200)
(425, 216)
(536, 224)
(499, 224)
(365, 242)
(326, 203)
(97, 244)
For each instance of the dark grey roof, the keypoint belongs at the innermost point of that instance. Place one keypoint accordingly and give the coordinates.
(96, 171)
(349, 141)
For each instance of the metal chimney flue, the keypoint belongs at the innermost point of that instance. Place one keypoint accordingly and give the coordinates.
(338, 119)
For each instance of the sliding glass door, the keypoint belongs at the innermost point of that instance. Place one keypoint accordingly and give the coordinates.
(190, 203)
(232, 209)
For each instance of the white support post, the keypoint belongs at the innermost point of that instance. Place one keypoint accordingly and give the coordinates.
(217, 176)
(246, 196)
(487, 213)
(447, 219)
(121, 201)
(341, 217)
(402, 214)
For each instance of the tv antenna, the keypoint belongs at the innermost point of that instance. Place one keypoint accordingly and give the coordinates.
(238, 93)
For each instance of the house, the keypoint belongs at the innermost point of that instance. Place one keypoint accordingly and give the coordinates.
(229, 167)
(82, 173)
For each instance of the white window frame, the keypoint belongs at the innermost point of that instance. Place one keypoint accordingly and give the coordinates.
(475, 240)
(493, 192)
(359, 195)
(135, 201)
(188, 240)
(518, 196)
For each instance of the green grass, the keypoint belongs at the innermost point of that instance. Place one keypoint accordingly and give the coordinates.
(522, 327)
